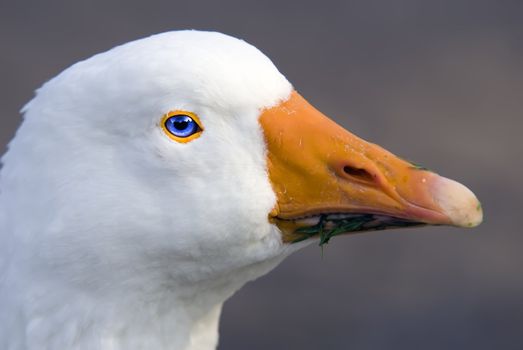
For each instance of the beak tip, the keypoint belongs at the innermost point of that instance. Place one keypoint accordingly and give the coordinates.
(458, 203)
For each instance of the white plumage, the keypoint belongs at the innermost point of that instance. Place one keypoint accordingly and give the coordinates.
(114, 234)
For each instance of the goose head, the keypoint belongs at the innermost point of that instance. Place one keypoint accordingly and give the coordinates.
(171, 170)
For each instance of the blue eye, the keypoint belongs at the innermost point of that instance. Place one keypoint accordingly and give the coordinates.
(181, 125)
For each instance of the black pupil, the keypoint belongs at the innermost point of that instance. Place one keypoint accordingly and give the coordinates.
(181, 123)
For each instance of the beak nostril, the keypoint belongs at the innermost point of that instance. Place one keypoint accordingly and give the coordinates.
(360, 174)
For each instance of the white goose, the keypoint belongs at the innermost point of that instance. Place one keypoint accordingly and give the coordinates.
(147, 184)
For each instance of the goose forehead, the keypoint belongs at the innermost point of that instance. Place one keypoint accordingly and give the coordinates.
(187, 68)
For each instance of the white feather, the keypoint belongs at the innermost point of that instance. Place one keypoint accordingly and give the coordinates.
(115, 236)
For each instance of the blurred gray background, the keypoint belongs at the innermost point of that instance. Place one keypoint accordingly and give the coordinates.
(438, 82)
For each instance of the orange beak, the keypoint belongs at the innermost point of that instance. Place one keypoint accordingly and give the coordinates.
(328, 180)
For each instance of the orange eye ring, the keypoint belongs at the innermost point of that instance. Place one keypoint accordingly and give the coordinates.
(181, 126)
